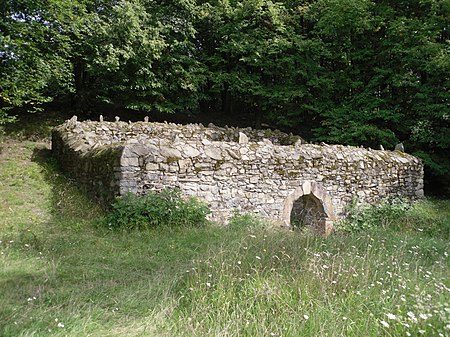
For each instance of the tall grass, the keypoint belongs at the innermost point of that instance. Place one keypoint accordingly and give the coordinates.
(61, 274)
(279, 284)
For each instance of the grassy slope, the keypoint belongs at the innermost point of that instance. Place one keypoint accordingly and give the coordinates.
(62, 275)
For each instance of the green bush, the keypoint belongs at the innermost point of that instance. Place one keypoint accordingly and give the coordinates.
(156, 209)
(362, 216)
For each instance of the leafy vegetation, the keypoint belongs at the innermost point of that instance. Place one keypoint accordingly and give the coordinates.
(367, 216)
(399, 214)
(156, 209)
(63, 274)
(355, 72)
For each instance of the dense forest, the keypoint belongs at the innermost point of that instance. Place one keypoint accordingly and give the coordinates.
(357, 72)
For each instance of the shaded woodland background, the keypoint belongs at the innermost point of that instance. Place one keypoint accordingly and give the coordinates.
(354, 72)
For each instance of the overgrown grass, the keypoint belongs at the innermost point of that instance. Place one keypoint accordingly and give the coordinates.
(428, 216)
(63, 275)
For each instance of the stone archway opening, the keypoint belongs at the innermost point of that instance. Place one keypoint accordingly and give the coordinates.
(308, 212)
(309, 206)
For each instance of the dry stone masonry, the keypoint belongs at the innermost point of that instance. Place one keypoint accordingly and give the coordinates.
(265, 172)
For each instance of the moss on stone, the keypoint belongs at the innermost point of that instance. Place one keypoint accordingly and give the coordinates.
(218, 164)
(106, 153)
(170, 160)
(253, 146)
(293, 174)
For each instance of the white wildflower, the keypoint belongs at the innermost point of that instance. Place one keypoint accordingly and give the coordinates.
(384, 323)
(391, 316)
(306, 317)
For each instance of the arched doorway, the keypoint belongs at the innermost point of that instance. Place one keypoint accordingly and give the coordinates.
(309, 206)
(307, 211)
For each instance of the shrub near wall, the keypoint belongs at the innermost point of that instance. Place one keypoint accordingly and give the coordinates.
(156, 209)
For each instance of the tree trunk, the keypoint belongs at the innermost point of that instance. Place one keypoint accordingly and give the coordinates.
(79, 71)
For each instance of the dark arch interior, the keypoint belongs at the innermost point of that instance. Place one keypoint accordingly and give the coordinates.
(307, 211)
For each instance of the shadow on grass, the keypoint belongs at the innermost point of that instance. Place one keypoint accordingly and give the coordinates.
(68, 201)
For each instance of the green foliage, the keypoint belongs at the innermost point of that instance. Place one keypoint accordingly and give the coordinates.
(5, 118)
(393, 90)
(362, 216)
(428, 216)
(34, 52)
(142, 58)
(156, 209)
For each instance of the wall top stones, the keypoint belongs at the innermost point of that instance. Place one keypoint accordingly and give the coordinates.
(217, 143)
(106, 133)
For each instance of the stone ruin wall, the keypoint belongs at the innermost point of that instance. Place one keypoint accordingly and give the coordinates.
(231, 169)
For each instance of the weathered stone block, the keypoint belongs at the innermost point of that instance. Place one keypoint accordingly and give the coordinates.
(190, 151)
(169, 152)
(243, 139)
(213, 152)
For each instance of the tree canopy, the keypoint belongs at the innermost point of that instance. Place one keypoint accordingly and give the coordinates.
(356, 72)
